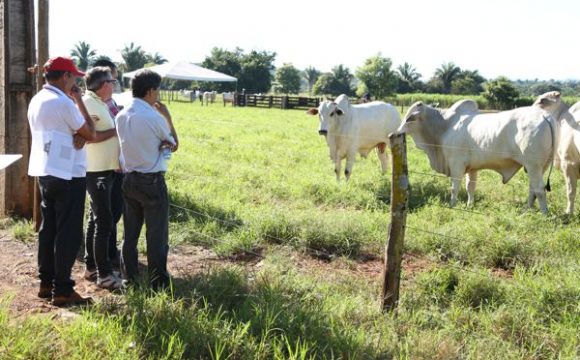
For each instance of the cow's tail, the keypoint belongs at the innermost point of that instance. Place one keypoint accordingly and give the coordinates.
(553, 137)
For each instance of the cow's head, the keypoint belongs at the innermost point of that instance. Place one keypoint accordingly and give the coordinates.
(414, 116)
(328, 113)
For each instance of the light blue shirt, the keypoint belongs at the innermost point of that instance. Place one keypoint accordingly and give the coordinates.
(141, 129)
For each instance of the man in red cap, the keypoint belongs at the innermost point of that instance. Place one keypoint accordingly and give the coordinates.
(57, 115)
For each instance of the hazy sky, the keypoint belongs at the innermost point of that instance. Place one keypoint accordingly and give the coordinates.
(521, 39)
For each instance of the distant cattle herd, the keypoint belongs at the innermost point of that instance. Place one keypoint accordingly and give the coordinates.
(461, 140)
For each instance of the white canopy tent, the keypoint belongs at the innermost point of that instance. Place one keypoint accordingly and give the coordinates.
(184, 70)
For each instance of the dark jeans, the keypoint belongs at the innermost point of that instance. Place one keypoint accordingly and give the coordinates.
(117, 212)
(62, 207)
(99, 186)
(146, 200)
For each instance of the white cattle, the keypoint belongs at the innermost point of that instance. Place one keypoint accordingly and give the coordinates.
(209, 96)
(568, 159)
(461, 141)
(351, 129)
(228, 97)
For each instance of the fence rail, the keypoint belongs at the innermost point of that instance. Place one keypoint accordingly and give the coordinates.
(276, 101)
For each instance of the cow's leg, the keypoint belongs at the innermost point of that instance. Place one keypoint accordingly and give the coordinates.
(337, 166)
(571, 176)
(456, 176)
(382, 154)
(350, 157)
(537, 189)
(470, 183)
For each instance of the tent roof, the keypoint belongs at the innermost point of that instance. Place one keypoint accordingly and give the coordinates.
(184, 70)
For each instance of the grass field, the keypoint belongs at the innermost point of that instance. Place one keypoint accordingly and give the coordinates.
(501, 281)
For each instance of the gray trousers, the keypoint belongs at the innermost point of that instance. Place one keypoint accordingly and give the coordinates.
(146, 200)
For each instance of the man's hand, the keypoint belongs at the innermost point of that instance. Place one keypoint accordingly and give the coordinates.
(162, 109)
(78, 141)
(76, 93)
(165, 144)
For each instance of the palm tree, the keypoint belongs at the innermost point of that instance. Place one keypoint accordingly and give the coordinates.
(408, 78)
(447, 73)
(408, 73)
(83, 55)
(156, 59)
(311, 74)
(134, 57)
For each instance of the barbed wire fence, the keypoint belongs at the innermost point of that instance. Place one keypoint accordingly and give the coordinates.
(412, 147)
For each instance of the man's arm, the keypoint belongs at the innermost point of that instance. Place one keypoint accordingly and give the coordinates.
(165, 112)
(87, 131)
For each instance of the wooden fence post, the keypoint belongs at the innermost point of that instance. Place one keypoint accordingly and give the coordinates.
(399, 200)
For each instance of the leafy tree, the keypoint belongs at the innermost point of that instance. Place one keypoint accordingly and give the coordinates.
(468, 82)
(256, 73)
(501, 93)
(224, 61)
(446, 74)
(311, 74)
(156, 59)
(134, 57)
(408, 79)
(342, 80)
(544, 87)
(334, 83)
(83, 55)
(325, 85)
(378, 76)
(287, 78)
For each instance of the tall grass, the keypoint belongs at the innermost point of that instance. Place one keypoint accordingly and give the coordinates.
(503, 281)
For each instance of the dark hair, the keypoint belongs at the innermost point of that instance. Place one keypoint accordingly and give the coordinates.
(53, 75)
(104, 62)
(96, 77)
(143, 81)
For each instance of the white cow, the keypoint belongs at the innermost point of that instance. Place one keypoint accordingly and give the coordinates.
(461, 141)
(209, 96)
(228, 97)
(356, 128)
(568, 159)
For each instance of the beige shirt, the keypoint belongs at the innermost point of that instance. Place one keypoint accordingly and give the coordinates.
(103, 155)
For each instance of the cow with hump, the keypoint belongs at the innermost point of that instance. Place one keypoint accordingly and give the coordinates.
(461, 141)
(351, 129)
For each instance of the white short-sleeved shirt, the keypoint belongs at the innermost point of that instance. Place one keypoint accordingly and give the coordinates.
(52, 110)
(103, 155)
(141, 129)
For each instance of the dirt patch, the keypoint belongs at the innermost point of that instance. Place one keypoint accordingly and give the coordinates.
(18, 272)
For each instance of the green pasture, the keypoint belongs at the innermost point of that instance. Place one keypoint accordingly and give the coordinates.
(497, 281)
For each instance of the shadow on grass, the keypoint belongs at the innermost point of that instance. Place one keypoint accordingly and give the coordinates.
(244, 318)
(182, 209)
(424, 193)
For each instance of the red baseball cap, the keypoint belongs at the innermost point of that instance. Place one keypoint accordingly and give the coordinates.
(62, 64)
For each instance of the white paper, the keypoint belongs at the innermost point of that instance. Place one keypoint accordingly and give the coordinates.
(7, 159)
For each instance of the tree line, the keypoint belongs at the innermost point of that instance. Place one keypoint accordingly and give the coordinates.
(378, 76)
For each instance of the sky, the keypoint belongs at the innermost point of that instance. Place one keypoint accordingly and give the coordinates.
(520, 39)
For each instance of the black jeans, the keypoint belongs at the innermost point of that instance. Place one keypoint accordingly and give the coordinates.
(99, 186)
(117, 212)
(62, 207)
(146, 200)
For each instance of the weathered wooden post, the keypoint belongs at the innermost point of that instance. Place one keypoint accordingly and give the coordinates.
(399, 198)
(16, 90)
(41, 58)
